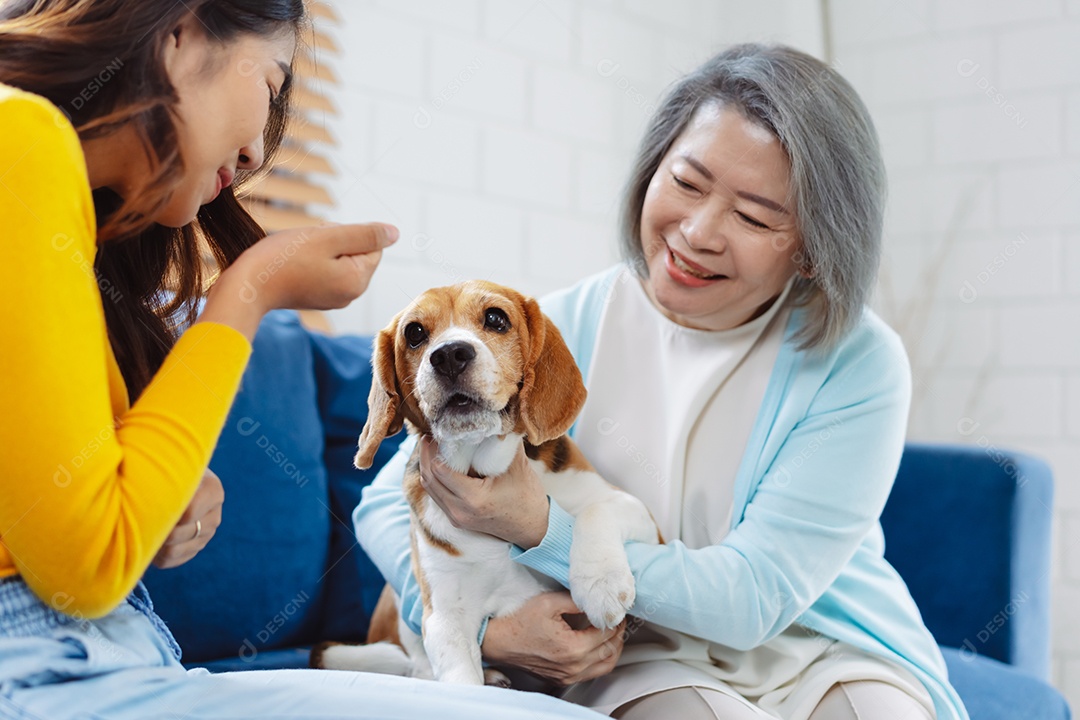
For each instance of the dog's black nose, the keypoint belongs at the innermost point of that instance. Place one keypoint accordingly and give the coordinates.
(451, 359)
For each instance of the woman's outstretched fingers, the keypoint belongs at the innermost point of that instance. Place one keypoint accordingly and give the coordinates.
(358, 249)
(318, 268)
(361, 238)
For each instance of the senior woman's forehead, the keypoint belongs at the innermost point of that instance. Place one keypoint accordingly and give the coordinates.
(718, 111)
(722, 128)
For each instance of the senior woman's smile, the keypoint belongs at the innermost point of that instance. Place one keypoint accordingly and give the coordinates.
(689, 273)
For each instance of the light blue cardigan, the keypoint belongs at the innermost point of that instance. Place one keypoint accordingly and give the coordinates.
(805, 544)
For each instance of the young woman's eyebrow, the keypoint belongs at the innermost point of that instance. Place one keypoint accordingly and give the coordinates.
(763, 201)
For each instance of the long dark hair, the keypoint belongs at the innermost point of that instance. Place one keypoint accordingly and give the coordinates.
(100, 62)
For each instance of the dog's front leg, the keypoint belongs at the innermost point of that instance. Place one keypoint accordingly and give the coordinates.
(450, 639)
(414, 648)
(601, 583)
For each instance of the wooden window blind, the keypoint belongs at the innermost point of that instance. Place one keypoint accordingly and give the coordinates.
(291, 194)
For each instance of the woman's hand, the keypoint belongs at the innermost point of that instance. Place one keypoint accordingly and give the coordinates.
(313, 268)
(512, 506)
(538, 638)
(316, 268)
(196, 526)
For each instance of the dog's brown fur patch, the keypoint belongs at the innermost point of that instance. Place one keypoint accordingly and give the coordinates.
(415, 494)
(384, 620)
(315, 658)
(558, 455)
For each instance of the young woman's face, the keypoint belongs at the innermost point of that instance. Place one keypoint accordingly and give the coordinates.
(717, 229)
(225, 92)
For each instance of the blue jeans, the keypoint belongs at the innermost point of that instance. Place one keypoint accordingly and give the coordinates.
(123, 666)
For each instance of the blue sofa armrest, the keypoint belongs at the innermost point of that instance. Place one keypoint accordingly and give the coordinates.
(968, 528)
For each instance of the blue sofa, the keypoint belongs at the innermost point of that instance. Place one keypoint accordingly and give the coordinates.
(967, 527)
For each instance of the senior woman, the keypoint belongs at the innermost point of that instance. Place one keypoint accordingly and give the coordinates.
(739, 385)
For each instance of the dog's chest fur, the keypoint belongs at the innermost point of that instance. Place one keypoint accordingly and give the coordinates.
(476, 567)
(472, 567)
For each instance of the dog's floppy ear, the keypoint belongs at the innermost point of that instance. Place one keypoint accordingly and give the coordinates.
(552, 391)
(385, 416)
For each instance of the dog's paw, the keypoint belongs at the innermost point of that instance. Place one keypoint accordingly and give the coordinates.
(495, 678)
(602, 585)
(461, 675)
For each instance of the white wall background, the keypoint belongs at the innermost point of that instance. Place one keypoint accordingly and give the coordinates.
(978, 107)
(497, 135)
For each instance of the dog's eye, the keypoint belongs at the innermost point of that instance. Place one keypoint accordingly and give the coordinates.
(495, 319)
(415, 334)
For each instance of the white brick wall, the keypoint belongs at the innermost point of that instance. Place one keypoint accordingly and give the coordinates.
(620, 37)
(978, 107)
(858, 22)
(528, 166)
(1071, 555)
(1070, 269)
(1000, 264)
(497, 135)
(471, 75)
(542, 30)
(926, 205)
(967, 133)
(959, 15)
(1041, 193)
(1041, 55)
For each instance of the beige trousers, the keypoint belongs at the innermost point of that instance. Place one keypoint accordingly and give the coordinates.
(858, 700)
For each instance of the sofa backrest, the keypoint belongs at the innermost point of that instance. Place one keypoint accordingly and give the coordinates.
(284, 569)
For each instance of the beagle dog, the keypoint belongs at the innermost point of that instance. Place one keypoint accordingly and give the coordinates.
(479, 368)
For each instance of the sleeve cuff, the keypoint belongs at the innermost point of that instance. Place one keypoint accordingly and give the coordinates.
(552, 556)
(221, 333)
(483, 631)
(412, 608)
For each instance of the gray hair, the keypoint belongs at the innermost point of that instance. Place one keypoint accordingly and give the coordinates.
(837, 174)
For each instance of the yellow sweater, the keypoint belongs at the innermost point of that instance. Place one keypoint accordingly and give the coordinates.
(90, 486)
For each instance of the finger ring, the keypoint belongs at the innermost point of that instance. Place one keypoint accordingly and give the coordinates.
(198, 529)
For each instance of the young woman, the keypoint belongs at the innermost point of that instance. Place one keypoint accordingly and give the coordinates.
(739, 385)
(123, 125)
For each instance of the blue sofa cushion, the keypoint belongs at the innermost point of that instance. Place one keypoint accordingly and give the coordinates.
(259, 584)
(992, 690)
(283, 659)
